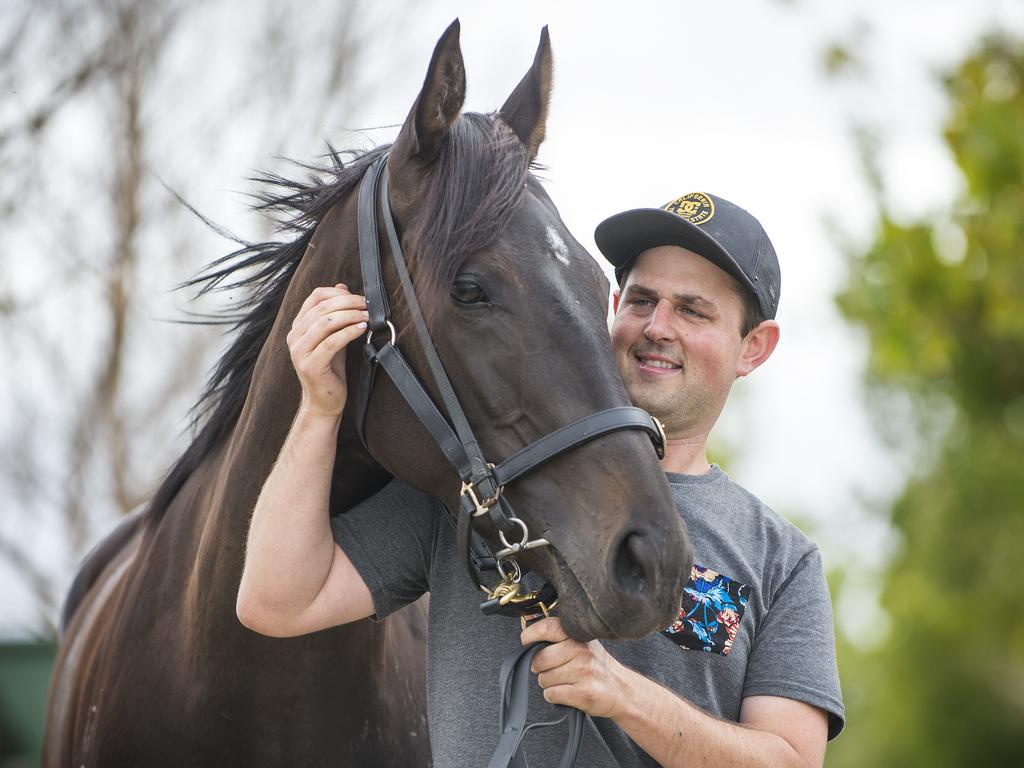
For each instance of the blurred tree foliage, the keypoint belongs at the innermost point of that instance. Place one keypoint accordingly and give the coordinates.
(942, 304)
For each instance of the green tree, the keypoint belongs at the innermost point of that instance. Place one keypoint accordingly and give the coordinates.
(942, 304)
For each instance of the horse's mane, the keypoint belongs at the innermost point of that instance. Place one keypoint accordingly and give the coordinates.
(478, 178)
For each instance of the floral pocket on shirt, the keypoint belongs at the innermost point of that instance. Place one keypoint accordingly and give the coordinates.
(710, 614)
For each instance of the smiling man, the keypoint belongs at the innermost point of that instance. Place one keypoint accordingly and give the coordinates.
(747, 674)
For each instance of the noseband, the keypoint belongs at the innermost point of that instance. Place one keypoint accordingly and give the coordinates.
(482, 481)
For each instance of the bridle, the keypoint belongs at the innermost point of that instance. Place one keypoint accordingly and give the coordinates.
(482, 482)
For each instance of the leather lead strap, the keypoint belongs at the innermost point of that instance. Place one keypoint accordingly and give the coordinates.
(514, 683)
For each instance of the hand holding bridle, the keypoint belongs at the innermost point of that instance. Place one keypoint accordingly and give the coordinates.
(329, 319)
(575, 674)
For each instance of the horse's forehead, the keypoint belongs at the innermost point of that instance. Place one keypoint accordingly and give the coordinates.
(536, 222)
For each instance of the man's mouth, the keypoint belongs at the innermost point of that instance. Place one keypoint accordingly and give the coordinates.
(658, 363)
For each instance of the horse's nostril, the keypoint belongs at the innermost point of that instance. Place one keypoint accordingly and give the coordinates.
(630, 572)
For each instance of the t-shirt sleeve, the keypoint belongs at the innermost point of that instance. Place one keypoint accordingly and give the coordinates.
(794, 651)
(390, 539)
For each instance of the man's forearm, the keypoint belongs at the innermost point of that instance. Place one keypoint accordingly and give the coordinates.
(290, 547)
(676, 733)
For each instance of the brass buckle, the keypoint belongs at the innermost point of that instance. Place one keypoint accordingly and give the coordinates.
(509, 590)
(506, 590)
(481, 507)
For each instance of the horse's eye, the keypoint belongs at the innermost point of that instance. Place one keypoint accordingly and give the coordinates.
(466, 291)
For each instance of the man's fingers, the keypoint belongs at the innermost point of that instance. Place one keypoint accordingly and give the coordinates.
(567, 695)
(313, 315)
(565, 673)
(549, 629)
(555, 656)
(320, 358)
(317, 295)
(323, 327)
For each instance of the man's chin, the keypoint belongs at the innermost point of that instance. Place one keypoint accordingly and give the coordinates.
(659, 407)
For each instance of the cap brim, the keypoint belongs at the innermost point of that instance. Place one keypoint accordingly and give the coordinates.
(626, 235)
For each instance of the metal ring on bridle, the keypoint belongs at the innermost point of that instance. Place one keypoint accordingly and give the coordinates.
(522, 544)
(394, 336)
(515, 567)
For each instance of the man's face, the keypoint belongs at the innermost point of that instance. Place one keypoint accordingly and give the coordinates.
(676, 338)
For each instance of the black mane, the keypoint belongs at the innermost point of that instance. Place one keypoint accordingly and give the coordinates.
(478, 178)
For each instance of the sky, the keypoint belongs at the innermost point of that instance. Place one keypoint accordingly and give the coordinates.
(652, 100)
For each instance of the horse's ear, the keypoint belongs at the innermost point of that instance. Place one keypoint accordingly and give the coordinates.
(438, 104)
(526, 110)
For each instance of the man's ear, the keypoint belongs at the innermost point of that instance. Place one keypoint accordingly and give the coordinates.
(757, 347)
(615, 302)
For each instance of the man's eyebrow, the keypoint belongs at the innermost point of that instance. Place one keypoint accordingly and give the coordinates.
(693, 299)
(690, 299)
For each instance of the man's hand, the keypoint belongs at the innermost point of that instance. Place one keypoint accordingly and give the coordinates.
(772, 731)
(328, 321)
(581, 675)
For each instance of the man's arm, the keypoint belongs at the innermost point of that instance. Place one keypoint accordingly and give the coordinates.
(296, 579)
(772, 731)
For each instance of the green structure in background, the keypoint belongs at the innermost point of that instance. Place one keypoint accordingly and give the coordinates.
(24, 679)
(942, 304)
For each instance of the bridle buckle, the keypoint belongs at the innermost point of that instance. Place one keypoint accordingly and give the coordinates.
(480, 507)
(660, 447)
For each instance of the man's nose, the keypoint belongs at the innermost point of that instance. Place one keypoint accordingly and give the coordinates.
(659, 326)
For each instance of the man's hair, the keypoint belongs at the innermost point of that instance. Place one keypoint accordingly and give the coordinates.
(752, 314)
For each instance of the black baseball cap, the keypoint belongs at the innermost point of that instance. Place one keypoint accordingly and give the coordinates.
(720, 231)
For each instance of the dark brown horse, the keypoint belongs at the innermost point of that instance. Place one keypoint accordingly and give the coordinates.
(154, 667)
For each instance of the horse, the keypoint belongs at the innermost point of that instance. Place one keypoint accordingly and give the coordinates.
(154, 667)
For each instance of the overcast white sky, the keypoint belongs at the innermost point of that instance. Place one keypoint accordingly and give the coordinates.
(655, 99)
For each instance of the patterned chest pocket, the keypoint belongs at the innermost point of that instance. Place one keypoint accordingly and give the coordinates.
(709, 616)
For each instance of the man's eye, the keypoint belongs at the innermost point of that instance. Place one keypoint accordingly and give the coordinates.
(468, 292)
(641, 302)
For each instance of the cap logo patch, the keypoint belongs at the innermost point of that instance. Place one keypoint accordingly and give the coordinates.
(695, 207)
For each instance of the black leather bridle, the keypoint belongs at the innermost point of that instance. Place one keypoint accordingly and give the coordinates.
(482, 482)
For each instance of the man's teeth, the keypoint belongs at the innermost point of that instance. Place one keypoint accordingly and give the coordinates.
(657, 363)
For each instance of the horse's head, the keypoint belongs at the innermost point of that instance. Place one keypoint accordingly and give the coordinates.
(517, 310)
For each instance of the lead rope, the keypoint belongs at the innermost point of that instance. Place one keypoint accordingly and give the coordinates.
(514, 681)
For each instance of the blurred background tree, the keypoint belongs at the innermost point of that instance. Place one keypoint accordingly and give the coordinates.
(93, 138)
(941, 302)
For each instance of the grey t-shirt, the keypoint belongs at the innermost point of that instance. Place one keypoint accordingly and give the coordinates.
(756, 620)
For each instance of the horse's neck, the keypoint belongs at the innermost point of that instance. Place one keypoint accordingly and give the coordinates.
(247, 458)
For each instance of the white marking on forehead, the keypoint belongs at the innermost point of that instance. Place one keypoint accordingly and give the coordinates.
(558, 247)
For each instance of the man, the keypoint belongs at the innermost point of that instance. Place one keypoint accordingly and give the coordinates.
(747, 674)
